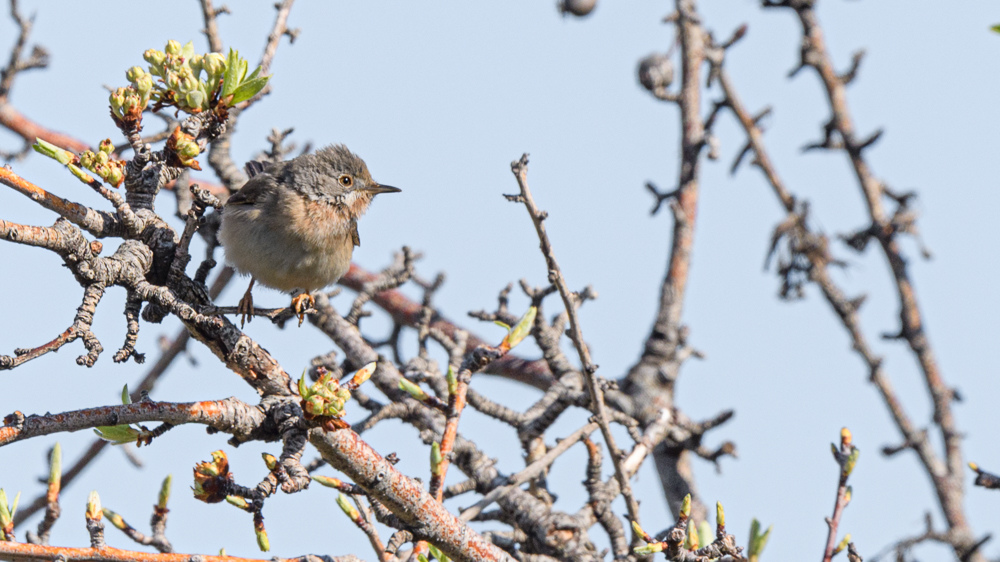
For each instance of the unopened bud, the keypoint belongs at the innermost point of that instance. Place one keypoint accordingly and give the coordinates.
(173, 48)
(135, 73)
(155, 59)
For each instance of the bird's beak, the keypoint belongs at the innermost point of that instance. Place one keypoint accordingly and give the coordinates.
(376, 188)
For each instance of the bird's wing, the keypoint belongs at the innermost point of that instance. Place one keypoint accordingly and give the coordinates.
(251, 191)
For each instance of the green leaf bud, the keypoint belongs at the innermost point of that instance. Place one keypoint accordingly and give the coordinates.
(195, 63)
(237, 501)
(314, 405)
(94, 511)
(164, 496)
(135, 73)
(347, 508)
(214, 65)
(114, 519)
(173, 48)
(195, 99)
(155, 59)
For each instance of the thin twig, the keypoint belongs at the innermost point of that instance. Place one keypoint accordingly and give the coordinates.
(597, 405)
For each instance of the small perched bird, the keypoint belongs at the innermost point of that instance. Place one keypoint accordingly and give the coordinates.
(294, 225)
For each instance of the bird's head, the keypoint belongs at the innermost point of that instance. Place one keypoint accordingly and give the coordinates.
(347, 181)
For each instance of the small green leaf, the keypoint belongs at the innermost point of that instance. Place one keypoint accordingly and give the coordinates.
(705, 534)
(520, 331)
(852, 460)
(758, 540)
(231, 78)
(346, 507)
(996, 28)
(304, 387)
(638, 530)
(117, 434)
(243, 70)
(415, 391)
(126, 398)
(249, 89)
(437, 554)
(843, 544)
(54, 152)
(13, 506)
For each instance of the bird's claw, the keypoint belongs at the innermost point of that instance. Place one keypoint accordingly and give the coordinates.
(302, 303)
(245, 308)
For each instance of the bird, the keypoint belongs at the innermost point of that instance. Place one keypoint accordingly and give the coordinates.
(293, 225)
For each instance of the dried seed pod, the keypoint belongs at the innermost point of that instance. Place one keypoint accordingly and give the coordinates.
(577, 8)
(656, 72)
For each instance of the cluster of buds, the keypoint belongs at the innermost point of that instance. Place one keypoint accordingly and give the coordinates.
(194, 83)
(128, 103)
(179, 69)
(185, 148)
(327, 397)
(687, 541)
(211, 478)
(100, 162)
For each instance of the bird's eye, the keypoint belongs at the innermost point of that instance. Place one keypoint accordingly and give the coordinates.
(346, 180)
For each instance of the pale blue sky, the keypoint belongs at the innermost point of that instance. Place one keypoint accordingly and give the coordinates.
(439, 98)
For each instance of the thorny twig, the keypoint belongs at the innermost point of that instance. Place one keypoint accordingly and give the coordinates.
(946, 473)
(570, 302)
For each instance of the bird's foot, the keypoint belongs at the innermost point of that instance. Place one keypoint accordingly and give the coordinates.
(302, 303)
(245, 308)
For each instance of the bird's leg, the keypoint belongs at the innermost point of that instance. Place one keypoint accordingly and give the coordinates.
(301, 303)
(245, 308)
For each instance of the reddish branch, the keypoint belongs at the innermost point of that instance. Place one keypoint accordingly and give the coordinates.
(846, 456)
(408, 313)
(18, 552)
(650, 382)
(28, 130)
